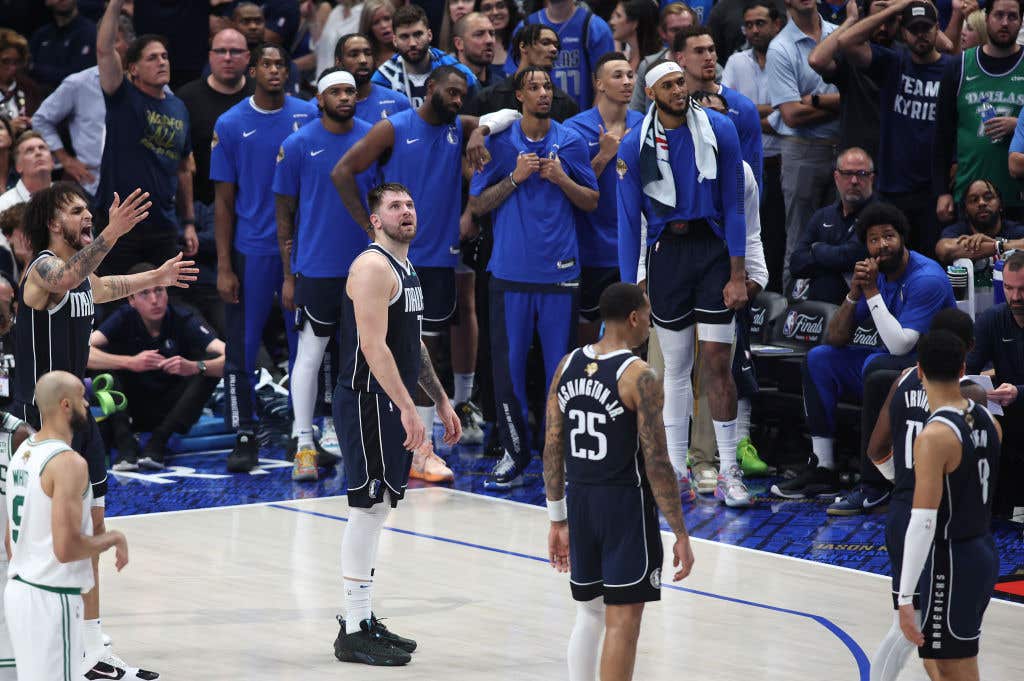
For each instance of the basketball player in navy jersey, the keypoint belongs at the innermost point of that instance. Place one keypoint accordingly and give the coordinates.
(383, 360)
(948, 550)
(604, 410)
(54, 320)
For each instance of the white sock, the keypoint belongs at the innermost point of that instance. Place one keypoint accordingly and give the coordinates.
(725, 437)
(358, 553)
(892, 652)
(93, 633)
(585, 640)
(463, 387)
(309, 355)
(742, 418)
(823, 448)
(677, 348)
(427, 414)
(358, 603)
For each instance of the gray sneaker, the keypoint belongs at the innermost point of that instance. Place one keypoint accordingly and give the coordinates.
(731, 490)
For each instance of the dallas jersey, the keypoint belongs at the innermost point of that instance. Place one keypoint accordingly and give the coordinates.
(427, 159)
(600, 433)
(51, 340)
(30, 513)
(965, 511)
(246, 142)
(381, 103)
(405, 319)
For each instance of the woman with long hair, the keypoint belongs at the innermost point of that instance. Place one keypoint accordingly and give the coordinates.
(375, 24)
(504, 15)
(634, 25)
(454, 10)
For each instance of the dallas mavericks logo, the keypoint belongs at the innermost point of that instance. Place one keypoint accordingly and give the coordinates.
(656, 578)
(802, 326)
(453, 138)
(757, 319)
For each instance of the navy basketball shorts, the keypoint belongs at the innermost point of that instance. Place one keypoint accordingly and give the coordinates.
(956, 589)
(685, 277)
(614, 544)
(895, 533)
(371, 434)
(87, 441)
(593, 282)
(439, 298)
(318, 300)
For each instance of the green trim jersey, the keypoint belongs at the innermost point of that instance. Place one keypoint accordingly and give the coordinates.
(9, 423)
(30, 511)
(977, 155)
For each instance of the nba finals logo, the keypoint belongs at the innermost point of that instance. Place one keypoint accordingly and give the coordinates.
(591, 369)
(802, 326)
(621, 168)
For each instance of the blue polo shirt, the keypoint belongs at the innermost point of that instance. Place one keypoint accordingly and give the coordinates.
(790, 77)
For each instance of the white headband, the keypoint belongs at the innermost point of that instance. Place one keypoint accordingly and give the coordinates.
(335, 78)
(660, 71)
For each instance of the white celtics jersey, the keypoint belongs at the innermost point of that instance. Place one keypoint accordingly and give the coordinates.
(8, 424)
(30, 510)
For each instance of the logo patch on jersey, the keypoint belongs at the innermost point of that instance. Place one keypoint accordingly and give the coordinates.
(280, 154)
(451, 136)
(656, 578)
(215, 141)
(590, 369)
(621, 168)
(374, 488)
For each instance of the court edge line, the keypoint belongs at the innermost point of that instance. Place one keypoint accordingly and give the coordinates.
(859, 656)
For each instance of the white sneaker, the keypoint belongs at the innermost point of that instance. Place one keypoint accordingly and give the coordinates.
(111, 666)
(707, 481)
(731, 490)
(329, 438)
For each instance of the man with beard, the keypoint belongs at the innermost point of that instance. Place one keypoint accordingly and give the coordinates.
(538, 175)
(894, 292)
(983, 233)
(383, 360)
(991, 75)
(602, 128)
(422, 149)
(249, 19)
(823, 259)
(323, 244)
(54, 540)
(54, 319)
(908, 80)
(474, 46)
(354, 55)
(682, 169)
(409, 70)
(246, 141)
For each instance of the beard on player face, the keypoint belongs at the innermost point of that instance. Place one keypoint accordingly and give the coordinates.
(441, 108)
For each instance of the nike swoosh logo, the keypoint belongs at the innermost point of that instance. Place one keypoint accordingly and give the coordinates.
(1008, 340)
(410, 141)
(826, 225)
(592, 144)
(108, 672)
(970, 77)
(871, 504)
(316, 153)
(247, 134)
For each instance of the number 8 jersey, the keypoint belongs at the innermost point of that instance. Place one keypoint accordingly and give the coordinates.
(600, 434)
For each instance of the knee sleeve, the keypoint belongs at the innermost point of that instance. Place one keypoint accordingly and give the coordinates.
(677, 348)
(892, 653)
(303, 382)
(584, 642)
(359, 545)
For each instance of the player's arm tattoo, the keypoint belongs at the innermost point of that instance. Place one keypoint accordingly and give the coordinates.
(428, 377)
(840, 329)
(285, 208)
(554, 445)
(59, 276)
(660, 474)
(492, 197)
(118, 286)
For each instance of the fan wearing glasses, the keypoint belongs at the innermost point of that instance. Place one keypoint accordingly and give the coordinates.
(823, 260)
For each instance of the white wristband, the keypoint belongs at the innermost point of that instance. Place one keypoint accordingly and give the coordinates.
(557, 511)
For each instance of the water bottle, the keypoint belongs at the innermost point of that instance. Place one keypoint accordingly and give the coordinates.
(987, 113)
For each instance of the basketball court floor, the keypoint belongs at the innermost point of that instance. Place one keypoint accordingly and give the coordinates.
(237, 577)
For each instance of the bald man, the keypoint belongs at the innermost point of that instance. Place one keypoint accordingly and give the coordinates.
(50, 533)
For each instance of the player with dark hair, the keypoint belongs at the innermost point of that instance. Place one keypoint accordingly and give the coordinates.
(353, 53)
(949, 554)
(605, 436)
(383, 359)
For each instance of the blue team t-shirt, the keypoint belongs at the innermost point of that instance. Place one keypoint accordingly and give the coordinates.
(908, 95)
(597, 231)
(914, 298)
(146, 141)
(327, 239)
(743, 114)
(427, 159)
(535, 229)
(574, 65)
(380, 104)
(246, 143)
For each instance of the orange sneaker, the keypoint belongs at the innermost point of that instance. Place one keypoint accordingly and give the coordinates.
(305, 465)
(426, 465)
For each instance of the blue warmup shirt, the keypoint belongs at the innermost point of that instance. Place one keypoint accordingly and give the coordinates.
(381, 103)
(327, 239)
(597, 231)
(719, 201)
(428, 160)
(246, 142)
(909, 94)
(535, 229)
(743, 114)
(574, 65)
(914, 298)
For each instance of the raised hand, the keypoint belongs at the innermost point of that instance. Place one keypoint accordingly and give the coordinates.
(177, 272)
(124, 215)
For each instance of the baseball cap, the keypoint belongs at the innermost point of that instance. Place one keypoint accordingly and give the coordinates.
(919, 12)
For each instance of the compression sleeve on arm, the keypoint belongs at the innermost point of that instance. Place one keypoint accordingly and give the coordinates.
(916, 544)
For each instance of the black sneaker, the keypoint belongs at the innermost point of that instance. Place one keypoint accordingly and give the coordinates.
(368, 646)
(153, 454)
(506, 474)
(406, 644)
(814, 481)
(244, 457)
